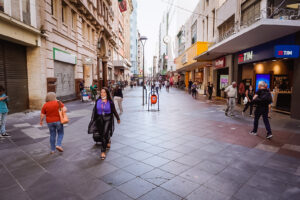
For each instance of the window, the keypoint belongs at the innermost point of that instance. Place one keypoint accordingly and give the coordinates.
(194, 32)
(26, 11)
(93, 36)
(250, 13)
(207, 3)
(88, 33)
(74, 19)
(226, 29)
(207, 28)
(214, 19)
(15, 4)
(83, 30)
(2, 5)
(64, 12)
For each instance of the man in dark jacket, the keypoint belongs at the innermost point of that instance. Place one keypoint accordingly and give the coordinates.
(262, 99)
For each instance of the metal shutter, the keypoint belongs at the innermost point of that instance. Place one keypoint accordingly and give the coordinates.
(14, 64)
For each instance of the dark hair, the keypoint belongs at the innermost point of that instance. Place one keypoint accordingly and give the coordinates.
(107, 94)
(2, 89)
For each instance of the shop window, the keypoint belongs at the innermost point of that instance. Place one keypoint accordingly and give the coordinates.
(1, 5)
(194, 32)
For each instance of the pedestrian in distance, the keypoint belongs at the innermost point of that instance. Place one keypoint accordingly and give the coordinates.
(190, 86)
(3, 112)
(102, 121)
(56, 128)
(262, 99)
(93, 89)
(241, 94)
(118, 97)
(194, 90)
(157, 86)
(210, 90)
(231, 92)
(81, 88)
(249, 98)
(167, 86)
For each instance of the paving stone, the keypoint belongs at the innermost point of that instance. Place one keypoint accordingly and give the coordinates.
(113, 195)
(136, 188)
(223, 185)
(160, 194)
(211, 167)
(117, 178)
(138, 169)
(122, 161)
(174, 167)
(101, 169)
(197, 175)
(250, 193)
(171, 155)
(156, 161)
(180, 186)
(140, 155)
(157, 176)
(207, 194)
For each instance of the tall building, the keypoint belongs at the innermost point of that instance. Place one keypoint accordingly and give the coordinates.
(133, 39)
(57, 43)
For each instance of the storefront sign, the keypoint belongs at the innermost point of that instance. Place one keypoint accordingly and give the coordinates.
(88, 61)
(286, 51)
(220, 63)
(63, 56)
(247, 56)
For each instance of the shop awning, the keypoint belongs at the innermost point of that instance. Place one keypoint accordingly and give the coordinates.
(194, 66)
(262, 31)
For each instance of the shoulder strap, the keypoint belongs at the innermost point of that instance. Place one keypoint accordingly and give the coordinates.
(59, 104)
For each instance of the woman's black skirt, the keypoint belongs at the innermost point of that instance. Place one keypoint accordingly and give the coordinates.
(104, 124)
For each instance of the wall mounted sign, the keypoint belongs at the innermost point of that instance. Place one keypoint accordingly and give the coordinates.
(287, 51)
(64, 56)
(244, 57)
(220, 63)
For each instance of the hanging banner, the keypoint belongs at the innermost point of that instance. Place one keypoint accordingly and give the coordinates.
(122, 5)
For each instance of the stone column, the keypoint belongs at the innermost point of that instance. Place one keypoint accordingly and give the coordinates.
(104, 65)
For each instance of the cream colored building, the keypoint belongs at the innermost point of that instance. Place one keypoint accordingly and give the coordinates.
(121, 52)
(52, 45)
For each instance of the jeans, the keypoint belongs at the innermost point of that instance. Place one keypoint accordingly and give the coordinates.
(264, 112)
(56, 128)
(230, 106)
(119, 101)
(3, 122)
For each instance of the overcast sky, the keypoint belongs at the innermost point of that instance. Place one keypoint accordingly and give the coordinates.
(150, 13)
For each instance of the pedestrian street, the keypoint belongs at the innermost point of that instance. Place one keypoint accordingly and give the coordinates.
(189, 150)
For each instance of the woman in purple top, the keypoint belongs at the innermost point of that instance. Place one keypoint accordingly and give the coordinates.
(102, 121)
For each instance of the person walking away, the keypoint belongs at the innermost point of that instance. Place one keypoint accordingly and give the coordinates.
(93, 89)
(241, 94)
(102, 121)
(3, 112)
(262, 99)
(118, 97)
(210, 90)
(194, 90)
(167, 86)
(249, 95)
(50, 111)
(81, 88)
(231, 92)
(190, 86)
(156, 86)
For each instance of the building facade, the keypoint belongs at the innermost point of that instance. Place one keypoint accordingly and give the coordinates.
(133, 39)
(257, 40)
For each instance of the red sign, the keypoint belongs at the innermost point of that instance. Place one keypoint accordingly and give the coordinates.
(122, 5)
(243, 57)
(220, 63)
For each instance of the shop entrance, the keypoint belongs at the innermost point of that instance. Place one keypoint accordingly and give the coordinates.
(222, 82)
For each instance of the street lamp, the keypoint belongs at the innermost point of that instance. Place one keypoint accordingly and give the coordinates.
(143, 40)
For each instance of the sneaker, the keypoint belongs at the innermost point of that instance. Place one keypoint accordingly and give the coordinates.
(60, 149)
(252, 133)
(269, 135)
(5, 135)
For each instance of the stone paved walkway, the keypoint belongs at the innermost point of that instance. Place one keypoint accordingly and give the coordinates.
(187, 150)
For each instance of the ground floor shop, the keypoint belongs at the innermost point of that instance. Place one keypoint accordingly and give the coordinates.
(14, 75)
(273, 63)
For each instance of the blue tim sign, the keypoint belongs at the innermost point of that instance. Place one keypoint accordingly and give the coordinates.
(287, 51)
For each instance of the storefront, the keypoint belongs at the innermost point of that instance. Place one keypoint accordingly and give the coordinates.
(222, 72)
(64, 72)
(273, 63)
(13, 75)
